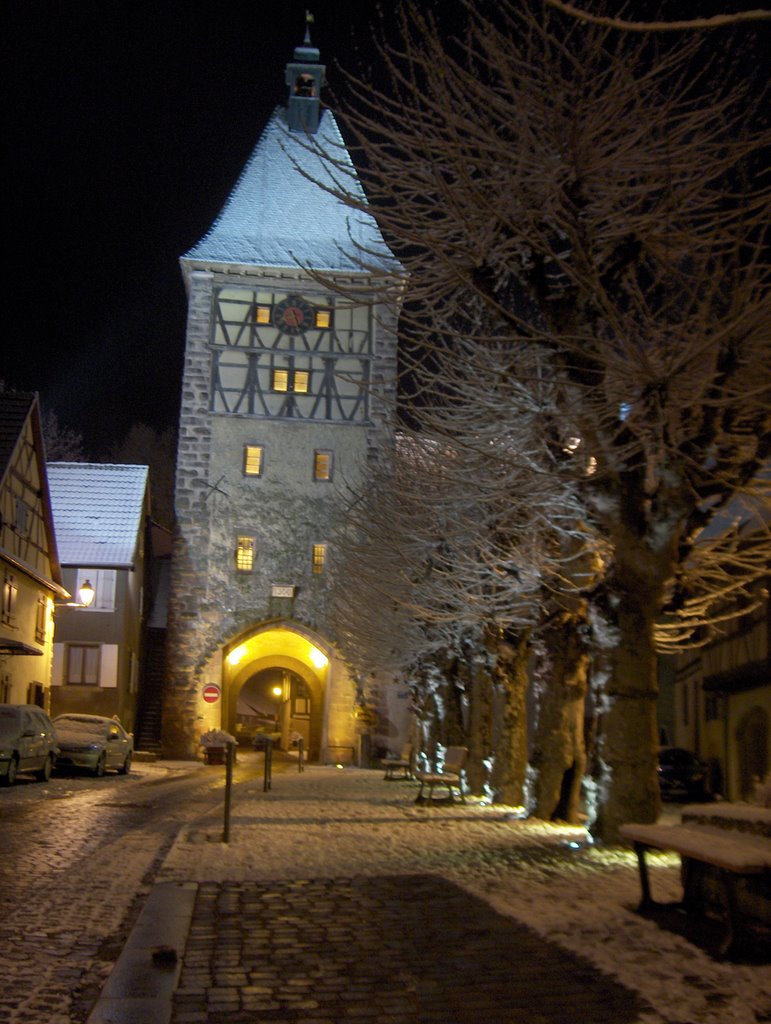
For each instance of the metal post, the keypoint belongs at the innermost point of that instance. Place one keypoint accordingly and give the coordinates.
(301, 755)
(228, 788)
(268, 764)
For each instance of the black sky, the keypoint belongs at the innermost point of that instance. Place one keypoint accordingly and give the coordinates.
(126, 127)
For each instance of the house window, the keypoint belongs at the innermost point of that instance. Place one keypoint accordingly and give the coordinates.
(253, 455)
(322, 465)
(319, 557)
(245, 554)
(296, 381)
(262, 314)
(323, 318)
(103, 581)
(10, 593)
(82, 664)
(41, 619)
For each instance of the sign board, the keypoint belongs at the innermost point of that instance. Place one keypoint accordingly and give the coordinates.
(280, 590)
(211, 693)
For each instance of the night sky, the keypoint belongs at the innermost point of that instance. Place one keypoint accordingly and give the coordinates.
(126, 131)
(126, 128)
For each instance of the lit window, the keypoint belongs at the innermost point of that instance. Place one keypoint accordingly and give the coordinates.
(82, 665)
(245, 554)
(322, 465)
(296, 381)
(319, 558)
(253, 459)
(323, 318)
(262, 314)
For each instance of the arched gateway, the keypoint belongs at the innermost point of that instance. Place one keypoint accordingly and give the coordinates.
(290, 364)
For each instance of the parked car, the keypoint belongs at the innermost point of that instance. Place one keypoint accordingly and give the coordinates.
(27, 742)
(682, 774)
(93, 742)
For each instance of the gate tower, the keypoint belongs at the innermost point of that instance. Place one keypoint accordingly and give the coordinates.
(286, 390)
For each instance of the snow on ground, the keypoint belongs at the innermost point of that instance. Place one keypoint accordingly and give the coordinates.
(328, 822)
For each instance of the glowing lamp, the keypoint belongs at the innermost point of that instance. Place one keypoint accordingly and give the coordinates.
(277, 691)
(236, 655)
(318, 659)
(86, 593)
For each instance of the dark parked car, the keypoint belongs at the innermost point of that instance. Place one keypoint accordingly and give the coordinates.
(27, 742)
(682, 774)
(93, 742)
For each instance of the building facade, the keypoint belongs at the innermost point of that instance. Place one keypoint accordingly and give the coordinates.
(289, 377)
(101, 515)
(29, 561)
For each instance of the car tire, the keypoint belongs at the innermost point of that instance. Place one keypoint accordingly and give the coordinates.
(44, 774)
(101, 765)
(10, 777)
(126, 768)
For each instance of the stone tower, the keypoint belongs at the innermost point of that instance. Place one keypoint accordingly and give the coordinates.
(287, 382)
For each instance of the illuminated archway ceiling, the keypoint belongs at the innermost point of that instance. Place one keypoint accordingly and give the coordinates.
(278, 642)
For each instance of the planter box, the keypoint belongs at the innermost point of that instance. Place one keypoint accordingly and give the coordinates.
(214, 755)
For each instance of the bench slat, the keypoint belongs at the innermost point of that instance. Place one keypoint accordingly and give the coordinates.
(739, 852)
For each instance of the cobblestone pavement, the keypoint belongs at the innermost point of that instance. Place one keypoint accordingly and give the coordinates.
(77, 859)
(384, 950)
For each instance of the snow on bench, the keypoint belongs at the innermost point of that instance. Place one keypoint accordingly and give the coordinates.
(741, 852)
(733, 853)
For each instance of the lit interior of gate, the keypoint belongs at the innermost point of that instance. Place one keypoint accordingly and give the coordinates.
(278, 642)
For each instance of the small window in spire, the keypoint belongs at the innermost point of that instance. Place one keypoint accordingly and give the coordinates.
(305, 85)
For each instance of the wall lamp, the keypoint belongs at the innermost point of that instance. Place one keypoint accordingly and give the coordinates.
(86, 593)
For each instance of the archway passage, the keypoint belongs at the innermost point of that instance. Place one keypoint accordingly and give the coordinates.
(275, 684)
(278, 703)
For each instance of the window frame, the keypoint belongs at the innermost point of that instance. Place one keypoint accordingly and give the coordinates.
(318, 558)
(319, 455)
(243, 549)
(83, 650)
(248, 448)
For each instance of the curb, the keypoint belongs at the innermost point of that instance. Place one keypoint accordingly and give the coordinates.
(141, 986)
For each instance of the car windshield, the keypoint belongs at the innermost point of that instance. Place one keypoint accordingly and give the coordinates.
(80, 726)
(9, 725)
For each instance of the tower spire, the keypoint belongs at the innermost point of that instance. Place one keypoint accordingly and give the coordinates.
(305, 76)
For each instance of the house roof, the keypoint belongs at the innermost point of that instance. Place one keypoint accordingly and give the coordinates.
(281, 215)
(15, 407)
(98, 512)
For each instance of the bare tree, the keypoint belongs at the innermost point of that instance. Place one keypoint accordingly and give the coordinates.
(556, 187)
(62, 443)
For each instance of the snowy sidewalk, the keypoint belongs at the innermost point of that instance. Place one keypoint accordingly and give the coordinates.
(343, 862)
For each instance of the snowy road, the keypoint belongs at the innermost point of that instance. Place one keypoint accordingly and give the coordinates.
(77, 858)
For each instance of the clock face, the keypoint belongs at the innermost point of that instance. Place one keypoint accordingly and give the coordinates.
(293, 315)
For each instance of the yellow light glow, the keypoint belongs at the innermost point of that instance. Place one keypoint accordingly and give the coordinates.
(236, 655)
(317, 658)
(277, 691)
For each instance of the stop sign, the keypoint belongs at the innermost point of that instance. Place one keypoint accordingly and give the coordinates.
(211, 693)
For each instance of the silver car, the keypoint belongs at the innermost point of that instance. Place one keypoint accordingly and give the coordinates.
(93, 742)
(27, 742)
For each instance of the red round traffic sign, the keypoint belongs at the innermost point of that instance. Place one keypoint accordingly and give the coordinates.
(211, 693)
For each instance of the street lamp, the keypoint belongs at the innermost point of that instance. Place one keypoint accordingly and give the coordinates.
(86, 593)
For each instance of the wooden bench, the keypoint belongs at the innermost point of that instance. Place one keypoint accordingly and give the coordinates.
(450, 776)
(401, 764)
(733, 855)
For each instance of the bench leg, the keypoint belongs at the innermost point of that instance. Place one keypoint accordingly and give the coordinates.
(734, 931)
(647, 901)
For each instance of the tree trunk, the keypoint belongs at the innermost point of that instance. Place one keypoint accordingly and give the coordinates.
(628, 731)
(559, 755)
(480, 734)
(510, 738)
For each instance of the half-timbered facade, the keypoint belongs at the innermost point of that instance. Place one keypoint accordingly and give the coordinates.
(29, 565)
(288, 382)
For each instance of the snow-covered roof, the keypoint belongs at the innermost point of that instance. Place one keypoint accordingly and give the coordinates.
(98, 512)
(280, 215)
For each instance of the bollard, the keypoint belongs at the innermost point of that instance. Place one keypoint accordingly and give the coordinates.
(300, 755)
(228, 789)
(267, 779)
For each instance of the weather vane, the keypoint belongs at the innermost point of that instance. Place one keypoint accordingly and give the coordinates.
(308, 22)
